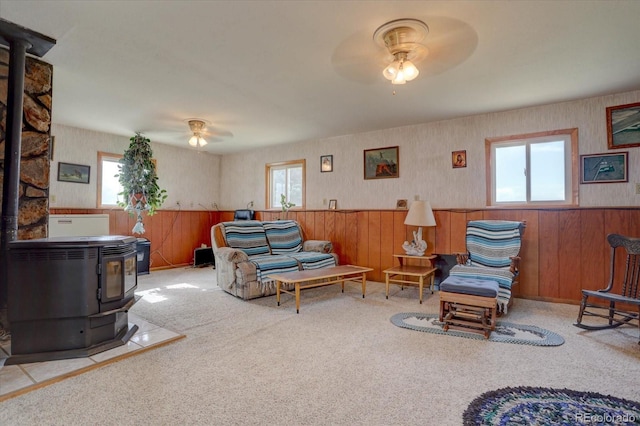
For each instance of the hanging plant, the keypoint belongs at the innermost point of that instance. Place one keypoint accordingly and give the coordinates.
(137, 175)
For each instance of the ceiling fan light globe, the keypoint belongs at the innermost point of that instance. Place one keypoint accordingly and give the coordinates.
(400, 77)
(392, 70)
(410, 70)
(389, 73)
(202, 142)
(193, 141)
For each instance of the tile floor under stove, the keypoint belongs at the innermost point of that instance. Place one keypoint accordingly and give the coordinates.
(17, 379)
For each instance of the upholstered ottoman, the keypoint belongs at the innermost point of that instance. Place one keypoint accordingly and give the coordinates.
(469, 304)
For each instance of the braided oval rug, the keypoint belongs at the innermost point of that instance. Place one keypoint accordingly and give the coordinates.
(546, 406)
(505, 332)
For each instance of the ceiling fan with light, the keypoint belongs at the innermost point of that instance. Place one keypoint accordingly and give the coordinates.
(400, 46)
(402, 38)
(199, 130)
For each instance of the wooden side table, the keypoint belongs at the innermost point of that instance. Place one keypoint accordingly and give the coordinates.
(400, 274)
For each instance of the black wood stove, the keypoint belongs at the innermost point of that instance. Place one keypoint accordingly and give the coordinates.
(68, 297)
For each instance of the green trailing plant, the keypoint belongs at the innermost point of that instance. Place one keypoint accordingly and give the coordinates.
(137, 175)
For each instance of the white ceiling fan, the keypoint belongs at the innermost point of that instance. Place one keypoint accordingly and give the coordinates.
(199, 130)
(434, 44)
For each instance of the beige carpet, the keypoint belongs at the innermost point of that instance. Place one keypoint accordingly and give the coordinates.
(340, 361)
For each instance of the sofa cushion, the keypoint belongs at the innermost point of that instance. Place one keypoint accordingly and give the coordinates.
(272, 264)
(248, 236)
(313, 260)
(283, 236)
(503, 277)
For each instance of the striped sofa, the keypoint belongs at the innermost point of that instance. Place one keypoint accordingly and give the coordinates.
(247, 251)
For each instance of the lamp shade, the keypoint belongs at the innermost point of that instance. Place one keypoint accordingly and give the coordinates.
(420, 214)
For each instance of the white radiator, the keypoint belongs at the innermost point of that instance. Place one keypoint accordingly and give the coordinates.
(78, 225)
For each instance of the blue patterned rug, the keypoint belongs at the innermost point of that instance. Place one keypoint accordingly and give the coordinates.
(505, 332)
(544, 406)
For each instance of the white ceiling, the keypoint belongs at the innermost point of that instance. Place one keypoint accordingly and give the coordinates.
(272, 72)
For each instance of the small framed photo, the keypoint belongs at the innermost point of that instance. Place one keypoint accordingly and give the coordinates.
(326, 163)
(459, 159)
(76, 173)
(604, 168)
(401, 204)
(381, 163)
(333, 204)
(623, 126)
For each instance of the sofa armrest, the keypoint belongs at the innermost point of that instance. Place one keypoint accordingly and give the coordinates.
(228, 262)
(229, 254)
(320, 246)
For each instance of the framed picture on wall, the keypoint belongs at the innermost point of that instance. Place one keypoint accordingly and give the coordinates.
(76, 173)
(326, 163)
(459, 159)
(381, 163)
(623, 126)
(604, 168)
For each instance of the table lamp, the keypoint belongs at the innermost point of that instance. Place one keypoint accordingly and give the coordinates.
(420, 214)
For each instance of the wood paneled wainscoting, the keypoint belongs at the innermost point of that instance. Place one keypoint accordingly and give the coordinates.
(563, 251)
(173, 234)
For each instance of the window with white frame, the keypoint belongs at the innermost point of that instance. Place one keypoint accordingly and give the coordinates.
(108, 185)
(533, 169)
(285, 178)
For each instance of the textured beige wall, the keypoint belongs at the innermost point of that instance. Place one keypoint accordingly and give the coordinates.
(190, 177)
(425, 160)
(232, 181)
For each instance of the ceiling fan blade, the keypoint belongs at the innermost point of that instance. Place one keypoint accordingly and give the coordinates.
(450, 42)
(359, 59)
(220, 133)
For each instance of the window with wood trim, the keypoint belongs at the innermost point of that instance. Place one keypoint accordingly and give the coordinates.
(533, 169)
(108, 185)
(285, 178)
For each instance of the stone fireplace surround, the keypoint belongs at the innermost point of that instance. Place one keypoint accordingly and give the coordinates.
(36, 144)
(36, 149)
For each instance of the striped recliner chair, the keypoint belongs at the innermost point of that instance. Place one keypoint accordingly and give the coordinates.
(493, 249)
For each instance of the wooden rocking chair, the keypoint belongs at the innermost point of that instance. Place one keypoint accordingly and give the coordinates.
(629, 296)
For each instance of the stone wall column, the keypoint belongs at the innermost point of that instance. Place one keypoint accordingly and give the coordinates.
(24, 167)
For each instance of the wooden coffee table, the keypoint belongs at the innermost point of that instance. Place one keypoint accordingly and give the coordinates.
(311, 278)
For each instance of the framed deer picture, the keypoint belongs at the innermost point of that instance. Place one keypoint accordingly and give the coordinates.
(381, 163)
